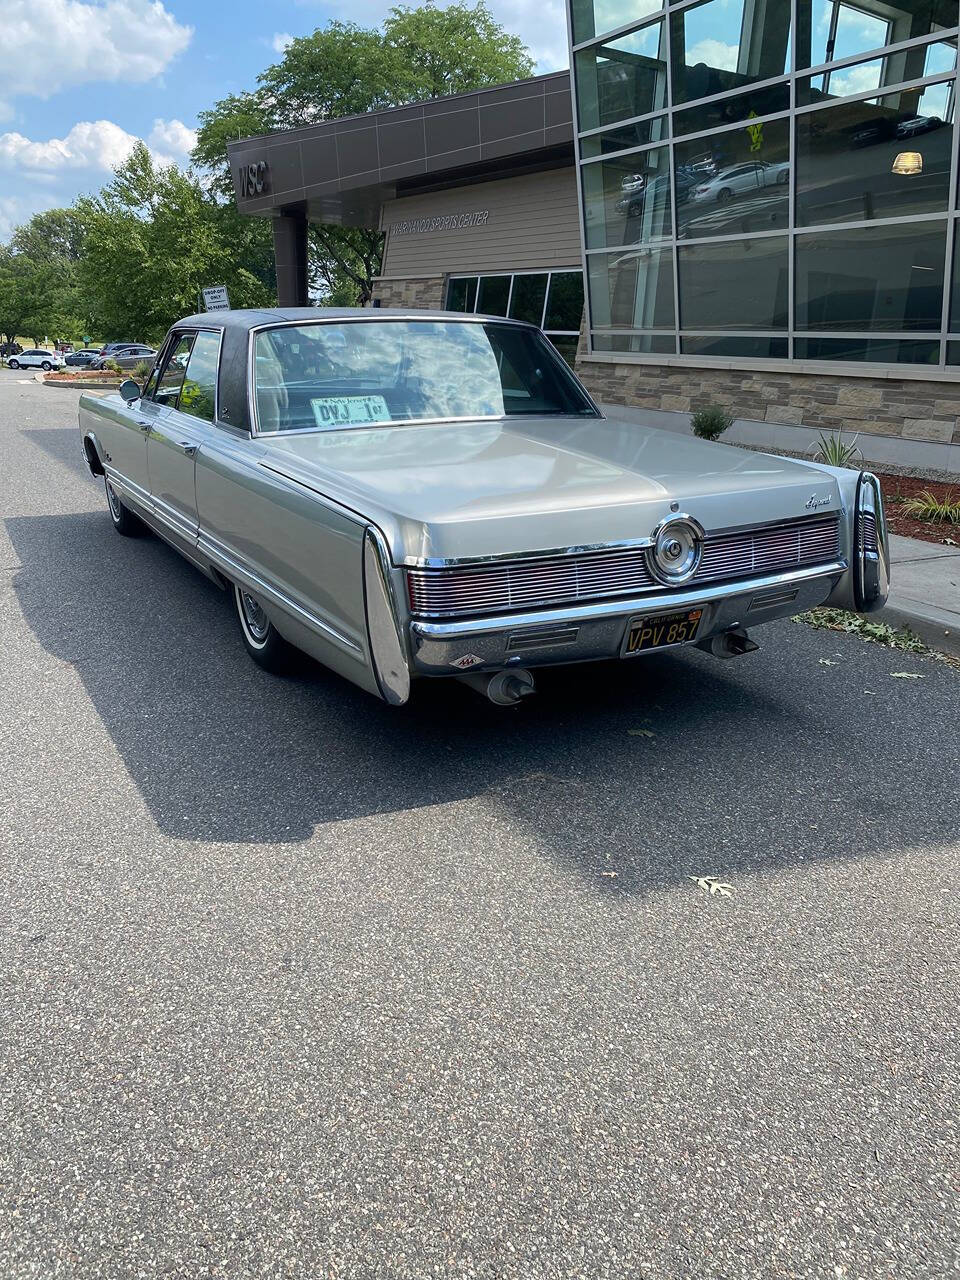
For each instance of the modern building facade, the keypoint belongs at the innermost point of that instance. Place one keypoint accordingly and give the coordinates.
(761, 196)
(769, 201)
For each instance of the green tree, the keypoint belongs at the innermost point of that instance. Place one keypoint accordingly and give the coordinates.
(153, 237)
(341, 70)
(38, 295)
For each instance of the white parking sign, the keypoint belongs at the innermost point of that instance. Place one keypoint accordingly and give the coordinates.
(215, 298)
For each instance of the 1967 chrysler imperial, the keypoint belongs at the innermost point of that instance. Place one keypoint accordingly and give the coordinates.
(412, 494)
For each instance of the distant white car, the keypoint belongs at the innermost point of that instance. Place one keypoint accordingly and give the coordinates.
(738, 179)
(36, 359)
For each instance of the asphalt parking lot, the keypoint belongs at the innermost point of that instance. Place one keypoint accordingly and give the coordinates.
(294, 984)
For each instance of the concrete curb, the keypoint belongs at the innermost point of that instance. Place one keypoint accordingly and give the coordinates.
(935, 627)
(77, 386)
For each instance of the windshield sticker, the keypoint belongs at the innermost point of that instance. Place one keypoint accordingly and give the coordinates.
(340, 411)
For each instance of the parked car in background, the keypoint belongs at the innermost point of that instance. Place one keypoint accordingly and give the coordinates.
(36, 359)
(415, 494)
(127, 357)
(10, 349)
(739, 179)
(85, 357)
(111, 347)
(918, 124)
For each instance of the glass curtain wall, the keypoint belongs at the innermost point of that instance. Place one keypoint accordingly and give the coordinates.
(770, 179)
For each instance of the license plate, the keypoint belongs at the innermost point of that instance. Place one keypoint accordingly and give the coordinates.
(661, 631)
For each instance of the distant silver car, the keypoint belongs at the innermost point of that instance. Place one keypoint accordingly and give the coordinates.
(407, 495)
(36, 358)
(127, 357)
(739, 180)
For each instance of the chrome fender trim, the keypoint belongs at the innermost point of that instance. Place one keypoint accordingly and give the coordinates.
(387, 655)
(871, 547)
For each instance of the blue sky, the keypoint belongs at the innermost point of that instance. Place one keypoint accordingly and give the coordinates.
(80, 80)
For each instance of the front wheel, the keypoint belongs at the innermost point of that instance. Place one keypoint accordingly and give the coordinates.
(14, 364)
(124, 521)
(264, 643)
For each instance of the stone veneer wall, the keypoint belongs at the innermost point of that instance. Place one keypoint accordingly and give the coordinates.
(912, 409)
(420, 293)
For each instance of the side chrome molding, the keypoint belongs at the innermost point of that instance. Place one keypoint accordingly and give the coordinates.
(871, 547)
(387, 653)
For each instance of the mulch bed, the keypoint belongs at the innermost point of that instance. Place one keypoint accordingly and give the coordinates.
(83, 375)
(897, 488)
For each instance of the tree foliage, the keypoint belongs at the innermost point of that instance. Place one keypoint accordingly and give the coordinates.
(153, 238)
(343, 69)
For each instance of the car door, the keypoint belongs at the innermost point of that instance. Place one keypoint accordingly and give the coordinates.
(182, 428)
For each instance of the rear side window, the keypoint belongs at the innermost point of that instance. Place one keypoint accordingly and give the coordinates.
(171, 380)
(198, 395)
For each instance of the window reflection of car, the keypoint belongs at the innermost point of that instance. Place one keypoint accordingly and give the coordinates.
(740, 178)
(656, 193)
(919, 124)
(870, 132)
(632, 182)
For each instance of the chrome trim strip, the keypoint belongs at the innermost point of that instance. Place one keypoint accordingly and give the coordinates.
(624, 544)
(234, 566)
(626, 608)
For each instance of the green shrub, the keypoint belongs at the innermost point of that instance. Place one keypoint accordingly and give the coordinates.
(927, 506)
(112, 366)
(711, 422)
(836, 451)
(141, 372)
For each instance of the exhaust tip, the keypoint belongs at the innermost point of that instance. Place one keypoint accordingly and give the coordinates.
(732, 644)
(503, 688)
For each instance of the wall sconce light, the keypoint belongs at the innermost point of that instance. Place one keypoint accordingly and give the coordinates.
(908, 163)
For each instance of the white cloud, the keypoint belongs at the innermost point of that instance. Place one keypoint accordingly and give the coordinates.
(280, 41)
(15, 210)
(172, 136)
(94, 145)
(715, 54)
(64, 43)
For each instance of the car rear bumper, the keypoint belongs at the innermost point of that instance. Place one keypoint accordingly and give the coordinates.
(587, 632)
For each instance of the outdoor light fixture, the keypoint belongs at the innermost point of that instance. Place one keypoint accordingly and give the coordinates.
(908, 163)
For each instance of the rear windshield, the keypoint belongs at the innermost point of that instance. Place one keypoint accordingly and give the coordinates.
(331, 377)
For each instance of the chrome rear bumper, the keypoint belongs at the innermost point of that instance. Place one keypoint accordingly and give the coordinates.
(586, 632)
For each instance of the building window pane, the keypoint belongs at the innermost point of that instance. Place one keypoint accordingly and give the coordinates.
(734, 345)
(567, 346)
(831, 29)
(664, 344)
(624, 137)
(721, 111)
(462, 294)
(937, 58)
(627, 200)
(526, 301)
(847, 161)
(735, 182)
(622, 78)
(737, 285)
(591, 18)
(954, 320)
(632, 290)
(953, 353)
(871, 278)
(565, 301)
(723, 44)
(492, 295)
(882, 350)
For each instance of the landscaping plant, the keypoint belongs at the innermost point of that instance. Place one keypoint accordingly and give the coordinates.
(711, 422)
(836, 451)
(927, 506)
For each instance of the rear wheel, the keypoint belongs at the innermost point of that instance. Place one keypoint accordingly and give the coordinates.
(124, 521)
(723, 195)
(46, 366)
(264, 643)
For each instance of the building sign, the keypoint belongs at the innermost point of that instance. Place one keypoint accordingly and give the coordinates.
(446, 222)
(215, 298)
(253, 179)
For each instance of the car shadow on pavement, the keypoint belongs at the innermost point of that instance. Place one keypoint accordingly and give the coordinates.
(63, 444)
(634, 773)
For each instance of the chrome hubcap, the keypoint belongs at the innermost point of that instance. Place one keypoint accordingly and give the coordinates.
(257, 621)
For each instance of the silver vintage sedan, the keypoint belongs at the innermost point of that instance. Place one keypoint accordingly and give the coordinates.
(414, 494)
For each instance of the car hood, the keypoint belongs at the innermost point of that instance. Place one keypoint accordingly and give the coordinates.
(459, 490)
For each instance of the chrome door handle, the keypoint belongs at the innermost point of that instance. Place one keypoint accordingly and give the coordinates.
(188, 448)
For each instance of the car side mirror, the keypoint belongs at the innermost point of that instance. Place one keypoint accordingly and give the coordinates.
(129, 391)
